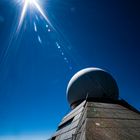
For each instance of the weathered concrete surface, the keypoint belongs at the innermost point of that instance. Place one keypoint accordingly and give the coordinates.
(111, 122)
(99, 121)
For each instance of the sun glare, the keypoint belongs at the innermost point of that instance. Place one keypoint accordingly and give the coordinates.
(37, 6)
(30, 1)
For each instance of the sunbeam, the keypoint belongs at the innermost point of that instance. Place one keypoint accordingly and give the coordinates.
(41, 12)
(26, 3)
(31, 3)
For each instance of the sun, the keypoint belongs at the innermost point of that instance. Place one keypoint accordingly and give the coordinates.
(37, 6)
(30, 1)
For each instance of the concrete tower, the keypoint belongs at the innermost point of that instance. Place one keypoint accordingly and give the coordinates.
(97, 113)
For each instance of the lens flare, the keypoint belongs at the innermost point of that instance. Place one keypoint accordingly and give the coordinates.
(35, 4)
(41, 11)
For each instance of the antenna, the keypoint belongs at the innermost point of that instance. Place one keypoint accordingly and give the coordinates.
(87, 96)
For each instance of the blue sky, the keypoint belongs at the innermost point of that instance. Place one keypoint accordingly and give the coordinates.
(37, 62)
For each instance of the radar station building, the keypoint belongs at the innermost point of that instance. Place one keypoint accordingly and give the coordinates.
(97, 112)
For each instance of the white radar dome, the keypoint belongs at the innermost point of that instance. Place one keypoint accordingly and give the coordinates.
(92, 83)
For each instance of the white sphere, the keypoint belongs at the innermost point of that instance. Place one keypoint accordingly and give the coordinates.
(91, 83)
